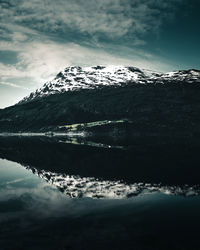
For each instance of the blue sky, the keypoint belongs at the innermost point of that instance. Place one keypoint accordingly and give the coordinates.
(38, 38)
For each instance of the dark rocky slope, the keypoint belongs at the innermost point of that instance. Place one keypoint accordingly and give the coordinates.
(170, 108)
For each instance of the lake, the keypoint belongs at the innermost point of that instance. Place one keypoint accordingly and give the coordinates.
(61, 193)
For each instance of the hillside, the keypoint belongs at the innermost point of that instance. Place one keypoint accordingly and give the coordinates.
(167, 105)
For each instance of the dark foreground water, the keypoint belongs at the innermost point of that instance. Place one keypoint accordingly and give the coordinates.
(46, 204)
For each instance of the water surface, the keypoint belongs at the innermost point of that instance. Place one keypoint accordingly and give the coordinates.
(37, 210)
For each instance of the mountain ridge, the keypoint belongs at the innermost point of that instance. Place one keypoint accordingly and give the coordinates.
(77, 78)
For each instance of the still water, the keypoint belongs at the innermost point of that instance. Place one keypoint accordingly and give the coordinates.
(44, 205)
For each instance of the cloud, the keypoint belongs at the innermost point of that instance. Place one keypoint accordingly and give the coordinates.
(10, 84)
(109, 18)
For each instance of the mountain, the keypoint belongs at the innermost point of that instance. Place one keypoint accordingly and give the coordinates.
(78, 78)
(147, 102)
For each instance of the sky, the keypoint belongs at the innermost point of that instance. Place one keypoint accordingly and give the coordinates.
(39, 38)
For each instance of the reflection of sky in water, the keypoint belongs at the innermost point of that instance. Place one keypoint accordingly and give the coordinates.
(38, 214)
(23, 191)
(25, 194)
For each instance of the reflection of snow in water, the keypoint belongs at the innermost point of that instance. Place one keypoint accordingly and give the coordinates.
(78, 187)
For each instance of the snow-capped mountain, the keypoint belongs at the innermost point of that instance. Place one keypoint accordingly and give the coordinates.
(157, 103)
(78, 78)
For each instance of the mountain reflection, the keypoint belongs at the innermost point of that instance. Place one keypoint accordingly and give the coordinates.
(33, 211)
(144, 161)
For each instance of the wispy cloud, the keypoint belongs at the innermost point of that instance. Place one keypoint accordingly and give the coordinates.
(10, 84)
(111, 18)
